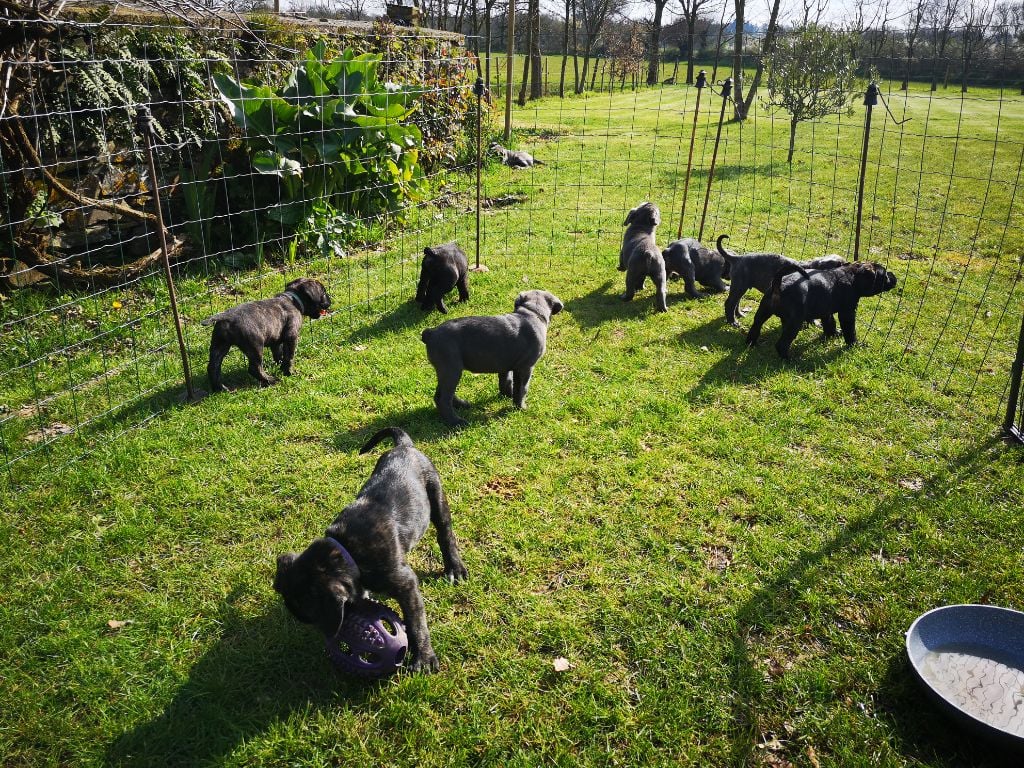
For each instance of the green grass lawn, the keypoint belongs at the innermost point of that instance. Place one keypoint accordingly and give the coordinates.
(727, 549)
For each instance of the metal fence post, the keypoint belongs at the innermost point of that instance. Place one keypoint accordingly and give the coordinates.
(1012, 429)
(726, 91)
(509, 64)
(870, 100)
(478, 89)
(147, 128)
(702, 80)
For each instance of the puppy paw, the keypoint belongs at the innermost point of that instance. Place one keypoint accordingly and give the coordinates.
(426, 663)
(456, 573)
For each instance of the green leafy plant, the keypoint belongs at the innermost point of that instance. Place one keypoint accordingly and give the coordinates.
(334, 132)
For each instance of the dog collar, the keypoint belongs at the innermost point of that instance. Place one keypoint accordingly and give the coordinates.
(296, 300)
(342, 551)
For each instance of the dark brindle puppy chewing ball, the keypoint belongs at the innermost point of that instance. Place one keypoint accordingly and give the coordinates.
(365, 550)
(444, 267)
(273, 322)
(820, 295)
(508, 345)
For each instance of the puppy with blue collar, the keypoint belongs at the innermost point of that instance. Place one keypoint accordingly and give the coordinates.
(365, 548)
(273, 322)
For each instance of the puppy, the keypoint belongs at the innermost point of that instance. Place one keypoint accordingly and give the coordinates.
(444, 267)
(508, 345)
(273, 322)
(756, 270)
(514, 158)
(690, 260)
(640, 257)
(818, 296)
(365, 548)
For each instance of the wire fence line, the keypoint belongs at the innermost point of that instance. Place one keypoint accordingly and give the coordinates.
(87, 346)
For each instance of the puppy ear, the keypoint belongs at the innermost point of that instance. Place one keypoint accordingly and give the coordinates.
(284, 564)
(428, 251)
(520, 300)
(555, 303)
(629, 216)
(655, 215)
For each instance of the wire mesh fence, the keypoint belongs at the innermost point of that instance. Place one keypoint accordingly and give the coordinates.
(87, 347)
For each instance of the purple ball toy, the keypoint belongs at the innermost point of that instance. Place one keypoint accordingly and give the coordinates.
(371, 642)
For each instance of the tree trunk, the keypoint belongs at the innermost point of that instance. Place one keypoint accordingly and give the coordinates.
(581, 85)
(792, 139)
(593, 77)
(487, 32)
(769, 42)
(565, 51)
(675, 72)
(737, 63)
(690, 35)
(526, 60)
(536, 87)
(654, 67)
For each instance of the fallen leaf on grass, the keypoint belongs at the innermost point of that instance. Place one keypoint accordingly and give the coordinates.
(55, 429)
(359, 347)
(813, 757)
(561, 664)
(912, 483)
(119, 624)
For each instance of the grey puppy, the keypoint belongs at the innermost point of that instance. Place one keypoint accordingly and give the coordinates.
(640, 256)
(690, 260)
(756, 270)
(515, 158)
(365, 548)
(819, 295)
(273, 322)
(444, 267)
(508, 345)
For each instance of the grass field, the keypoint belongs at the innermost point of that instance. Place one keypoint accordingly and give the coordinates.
(727, 549)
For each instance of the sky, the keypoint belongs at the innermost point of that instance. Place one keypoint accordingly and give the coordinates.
(757, 11)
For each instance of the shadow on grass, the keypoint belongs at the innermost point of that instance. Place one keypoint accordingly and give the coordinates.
(602, 304)
(922, 732)
(723, 173)
(260, 671)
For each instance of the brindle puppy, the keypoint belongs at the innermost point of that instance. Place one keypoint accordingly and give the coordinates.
(365, 548)
(799, 299)
(508, 345)
(273, 322)
(756, 270)
(515, 158)
(690, 260)
(444, 267)
(640, 257)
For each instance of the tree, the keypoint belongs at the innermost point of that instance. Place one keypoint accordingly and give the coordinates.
(811, 74)
(767, 46)
(691, 9)
(976, 19)
(654, 66)
(940, 15)
(595, 13)
(914, 19)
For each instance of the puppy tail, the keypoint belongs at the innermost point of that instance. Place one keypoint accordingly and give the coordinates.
(788, 266)
(725, 254)
(401, 439)
(538, 162)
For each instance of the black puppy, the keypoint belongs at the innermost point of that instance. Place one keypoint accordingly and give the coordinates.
(640, 257)
(365, 548)
(444, 267)
(756, 270)
(820, 295)
(691, 261)
(273, 322)
(508, 345)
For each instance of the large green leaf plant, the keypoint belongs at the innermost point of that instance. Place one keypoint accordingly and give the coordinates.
(333, 133)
